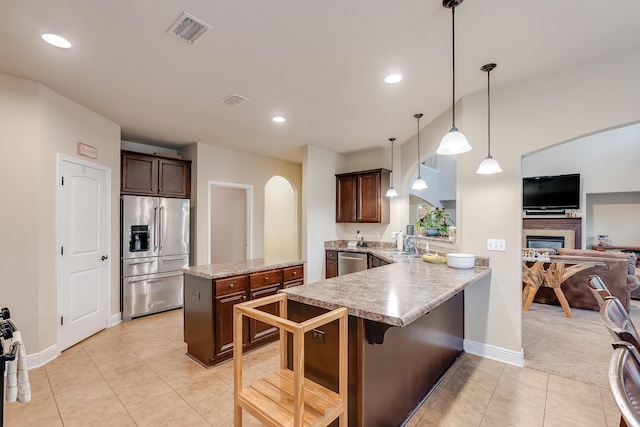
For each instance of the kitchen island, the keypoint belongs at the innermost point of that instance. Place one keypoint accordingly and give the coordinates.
(211, 291)
(406, 329)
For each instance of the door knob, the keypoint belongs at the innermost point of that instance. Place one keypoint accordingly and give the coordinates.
(104, 257)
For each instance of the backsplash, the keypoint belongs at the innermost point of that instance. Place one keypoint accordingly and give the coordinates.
(336, 245)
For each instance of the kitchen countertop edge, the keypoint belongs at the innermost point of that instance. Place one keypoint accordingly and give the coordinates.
(401, 281)
(217, 271)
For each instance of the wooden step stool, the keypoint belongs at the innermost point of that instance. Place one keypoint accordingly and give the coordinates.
(285, 397)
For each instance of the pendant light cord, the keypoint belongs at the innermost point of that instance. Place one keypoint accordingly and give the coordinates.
(453, 62)
(489, 113)
(419, 177)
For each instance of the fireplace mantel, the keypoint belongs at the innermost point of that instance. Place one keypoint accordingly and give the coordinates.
(573, 225)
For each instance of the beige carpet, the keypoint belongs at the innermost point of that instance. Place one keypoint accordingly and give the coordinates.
(578, 348)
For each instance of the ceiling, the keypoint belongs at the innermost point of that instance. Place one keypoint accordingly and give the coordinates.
(319, 64)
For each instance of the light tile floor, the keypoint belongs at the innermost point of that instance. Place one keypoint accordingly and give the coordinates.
(136, 374)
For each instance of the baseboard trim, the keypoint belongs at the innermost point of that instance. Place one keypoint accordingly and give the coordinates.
(500, 354)
(114, 320)
(36, 360)
(39, 359)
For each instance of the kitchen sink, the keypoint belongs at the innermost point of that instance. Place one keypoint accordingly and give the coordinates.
(399, 254)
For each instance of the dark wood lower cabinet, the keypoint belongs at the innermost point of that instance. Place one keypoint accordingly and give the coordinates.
(331, 268)
(259, 331)
(208, 311)
(224, 322)
(388, 379)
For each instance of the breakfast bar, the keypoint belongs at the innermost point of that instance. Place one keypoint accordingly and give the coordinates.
(406, 329)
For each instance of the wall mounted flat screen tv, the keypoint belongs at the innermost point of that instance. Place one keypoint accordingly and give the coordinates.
(551, 192)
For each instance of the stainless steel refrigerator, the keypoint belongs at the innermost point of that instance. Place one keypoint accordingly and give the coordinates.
(155, 246)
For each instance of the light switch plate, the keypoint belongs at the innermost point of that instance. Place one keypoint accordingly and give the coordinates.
(496, 245)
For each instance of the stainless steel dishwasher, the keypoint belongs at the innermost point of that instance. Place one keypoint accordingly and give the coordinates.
(349, 262)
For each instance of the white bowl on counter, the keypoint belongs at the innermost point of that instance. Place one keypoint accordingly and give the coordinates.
(457, 260)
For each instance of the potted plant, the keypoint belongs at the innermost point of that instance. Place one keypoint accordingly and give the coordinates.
(435, 222)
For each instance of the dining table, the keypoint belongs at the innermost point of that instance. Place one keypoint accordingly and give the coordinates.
(551, 271)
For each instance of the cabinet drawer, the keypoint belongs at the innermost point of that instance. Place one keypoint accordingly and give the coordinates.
(293, 283)
(231, 284)
(332, 255)
(271, 277)
(293, 273)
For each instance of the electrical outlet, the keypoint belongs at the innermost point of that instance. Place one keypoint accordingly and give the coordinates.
(496, 245)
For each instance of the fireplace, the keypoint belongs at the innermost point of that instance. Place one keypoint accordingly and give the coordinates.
(553, 233)
(553, 242)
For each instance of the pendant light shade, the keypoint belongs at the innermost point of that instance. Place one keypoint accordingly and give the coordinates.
(419, 183)
(489, 165)
(454, 142)
(391, 192)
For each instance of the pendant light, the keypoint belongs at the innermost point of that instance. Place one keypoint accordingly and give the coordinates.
(419, 183)
(391, 192)
(489, 165)
(454, 142)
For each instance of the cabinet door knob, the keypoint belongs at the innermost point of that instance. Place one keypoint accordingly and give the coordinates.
(244, 298)
(295, 272)
(266, 278)
(231, 285)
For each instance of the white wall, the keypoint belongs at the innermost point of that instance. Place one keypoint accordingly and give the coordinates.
(37, 125)
(616, 215)
(318, 207)
(221, 164)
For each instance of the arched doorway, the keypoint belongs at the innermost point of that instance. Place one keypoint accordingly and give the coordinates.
(280, 219)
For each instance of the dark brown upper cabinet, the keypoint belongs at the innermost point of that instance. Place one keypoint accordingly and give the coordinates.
(148, 175)
(360, 196)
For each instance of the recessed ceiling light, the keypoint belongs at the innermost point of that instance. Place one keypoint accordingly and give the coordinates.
(279, 119)
(393, 78)
(56, 41)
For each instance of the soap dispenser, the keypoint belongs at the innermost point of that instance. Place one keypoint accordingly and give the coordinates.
(358, 237)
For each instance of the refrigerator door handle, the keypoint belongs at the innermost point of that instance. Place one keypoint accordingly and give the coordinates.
(155, 228)
(161, 224)
(174, 258)
(141, 262)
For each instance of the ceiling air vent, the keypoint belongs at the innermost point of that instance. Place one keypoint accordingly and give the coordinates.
(234, 99)
(188, 28)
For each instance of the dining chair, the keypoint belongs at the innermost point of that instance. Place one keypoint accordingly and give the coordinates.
(624, 380)
(616, 319)
(598, 289)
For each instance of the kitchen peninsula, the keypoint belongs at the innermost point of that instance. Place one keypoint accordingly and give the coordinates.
(211, 291)
(406, 325)
(406, 329)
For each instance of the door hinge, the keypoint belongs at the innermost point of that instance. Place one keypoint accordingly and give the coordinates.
(62, 178)
(61, 250)
(61, 320)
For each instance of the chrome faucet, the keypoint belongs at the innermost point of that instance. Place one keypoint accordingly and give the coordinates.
(410, 247)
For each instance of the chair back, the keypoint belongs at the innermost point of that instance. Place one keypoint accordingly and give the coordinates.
(617, 321)
(624, 379)
(598, 289)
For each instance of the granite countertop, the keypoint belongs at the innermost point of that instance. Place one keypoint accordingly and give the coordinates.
(395, 294)
(216, 271)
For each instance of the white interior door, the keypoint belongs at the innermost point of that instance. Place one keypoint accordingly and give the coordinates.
(84, 266)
